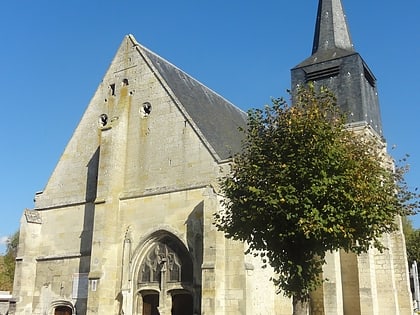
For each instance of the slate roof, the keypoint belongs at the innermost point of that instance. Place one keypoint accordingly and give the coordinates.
(332, 39)
(326, 55)
(331, 29)
(216, 119)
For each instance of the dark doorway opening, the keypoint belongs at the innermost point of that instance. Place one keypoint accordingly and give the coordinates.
(182, 304)
(63, 310)
(150, 304)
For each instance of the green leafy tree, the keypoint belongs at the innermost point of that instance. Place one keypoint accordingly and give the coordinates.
(304, 185)
(412, 241)
(413, 246)
(7, 263)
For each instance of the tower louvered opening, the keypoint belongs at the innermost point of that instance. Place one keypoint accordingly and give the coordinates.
(322, 74)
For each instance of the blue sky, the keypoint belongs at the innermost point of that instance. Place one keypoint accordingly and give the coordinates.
(55, 53)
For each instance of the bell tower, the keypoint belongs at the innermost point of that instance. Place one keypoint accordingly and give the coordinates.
(372, 282)
(336, 65)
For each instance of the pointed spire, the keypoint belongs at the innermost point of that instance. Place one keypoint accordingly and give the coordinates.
(331, 30)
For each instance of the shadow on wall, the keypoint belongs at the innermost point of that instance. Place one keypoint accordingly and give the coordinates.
(87, 234)
(195, 227)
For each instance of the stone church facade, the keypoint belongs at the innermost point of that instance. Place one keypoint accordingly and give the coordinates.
(125, 222)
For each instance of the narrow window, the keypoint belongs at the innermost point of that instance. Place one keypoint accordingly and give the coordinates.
(112, 89)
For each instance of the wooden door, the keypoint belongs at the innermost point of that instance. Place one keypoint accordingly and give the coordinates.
(150, 304)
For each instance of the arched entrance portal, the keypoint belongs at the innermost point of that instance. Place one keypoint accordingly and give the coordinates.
(165, 279)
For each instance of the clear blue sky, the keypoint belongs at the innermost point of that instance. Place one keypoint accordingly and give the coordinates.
(55, 53)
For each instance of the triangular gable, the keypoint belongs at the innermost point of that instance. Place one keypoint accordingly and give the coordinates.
(215, 120)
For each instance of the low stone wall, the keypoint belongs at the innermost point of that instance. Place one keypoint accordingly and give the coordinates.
(6, 303)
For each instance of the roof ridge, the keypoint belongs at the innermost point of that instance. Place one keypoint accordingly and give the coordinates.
(183, 72)
(213, 117)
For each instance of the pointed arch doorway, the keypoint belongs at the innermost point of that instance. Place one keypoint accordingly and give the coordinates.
(165, 279)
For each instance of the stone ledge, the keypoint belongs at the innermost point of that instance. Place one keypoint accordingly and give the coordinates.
(159, 191)
(62, 256)
(208, 265)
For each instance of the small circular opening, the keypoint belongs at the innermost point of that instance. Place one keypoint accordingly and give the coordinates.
(145, 109)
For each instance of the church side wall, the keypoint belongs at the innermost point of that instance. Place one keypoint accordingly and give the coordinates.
(400, 270)
(25, 272)
(59, 262)
(261, 297)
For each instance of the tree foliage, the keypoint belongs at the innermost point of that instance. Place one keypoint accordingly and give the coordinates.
(304, 185)
(412, 241)
(7, 263)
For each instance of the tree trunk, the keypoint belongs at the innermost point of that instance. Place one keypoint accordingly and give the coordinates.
(300, 307)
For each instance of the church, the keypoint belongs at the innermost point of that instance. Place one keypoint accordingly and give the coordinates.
(124, 224)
